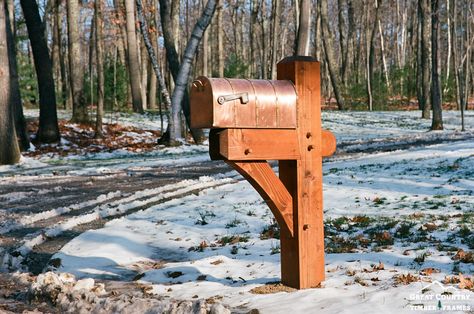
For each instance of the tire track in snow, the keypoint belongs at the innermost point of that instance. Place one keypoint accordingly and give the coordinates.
(16, 258)
(107, 165)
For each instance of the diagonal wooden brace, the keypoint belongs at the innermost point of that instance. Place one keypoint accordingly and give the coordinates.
(268, 185)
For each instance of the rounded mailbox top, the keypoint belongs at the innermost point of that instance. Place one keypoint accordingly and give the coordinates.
(242, 103)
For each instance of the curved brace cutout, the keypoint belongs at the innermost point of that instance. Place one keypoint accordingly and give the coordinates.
(268, 185)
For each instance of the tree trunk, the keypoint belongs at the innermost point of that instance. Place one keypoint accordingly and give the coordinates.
(151, 54)
(263, 39)
(371, 54)
(419, 59)
(437, 122)
(180, 98)
(448, 42)
(205, 54)
(48, 131)
(276, 12)
(152, 82)
(144, 74)
(15, 96)
(91, 60)
(66, 100)
(467, 68)
(304, 28)
(76, 70)
(220, 38)
(344, 38)
(349, 53)
(382, 51)
(455, 55)
(9, 150)
(133, 63)
(182, 77)
(55, 46)
(425, 56)
(463, 68)
(342, 35)
(368, 49)
(175, 14)
(330, 56)
(99, 53)
(253, 37)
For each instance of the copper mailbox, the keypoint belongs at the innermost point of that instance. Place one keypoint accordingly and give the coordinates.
(242, 103)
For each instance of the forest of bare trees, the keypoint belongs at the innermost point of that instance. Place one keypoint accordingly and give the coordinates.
(91, 57)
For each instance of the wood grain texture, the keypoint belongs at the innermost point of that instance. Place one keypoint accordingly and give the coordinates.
(328, 142)
(268, 185)
(302, 256)
(259, 144)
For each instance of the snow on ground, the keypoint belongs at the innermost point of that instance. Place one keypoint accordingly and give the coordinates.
(362, 125)
(105, 162)
(146, 121)
(398, 232)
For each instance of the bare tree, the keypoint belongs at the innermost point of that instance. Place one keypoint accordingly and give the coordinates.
(220, 38)
(152, 80)
(132, 52)
(56, 46)
(419, 59)
(382, 49)
(180, 72)
(437, 121)
(253, 33)
(99, 53)
(425, 16)
(263, 43)
(328, 43)
(304, 28)
(9, 150)
(343, 38)
(48, 130)
(276, 12)
(65, 87)
(76, 70)
(20, 122)
(205, 50)
(462, 60)
(151, 54)
(143, 72)
(370, 38)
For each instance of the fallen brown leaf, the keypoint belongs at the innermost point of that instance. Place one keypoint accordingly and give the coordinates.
(465, 283)
(406, 279)
(428, 271)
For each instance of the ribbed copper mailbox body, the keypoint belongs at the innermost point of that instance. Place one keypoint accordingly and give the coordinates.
(241, 103)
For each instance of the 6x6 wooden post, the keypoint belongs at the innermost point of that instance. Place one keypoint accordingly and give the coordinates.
(302, 256)
(253, 121)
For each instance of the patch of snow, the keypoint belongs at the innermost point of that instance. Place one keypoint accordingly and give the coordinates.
(186, 233)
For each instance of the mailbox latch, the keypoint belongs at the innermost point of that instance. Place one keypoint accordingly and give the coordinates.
(244, 98)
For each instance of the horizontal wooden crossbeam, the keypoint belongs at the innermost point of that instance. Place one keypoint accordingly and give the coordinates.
(255, 144)
(268, 144)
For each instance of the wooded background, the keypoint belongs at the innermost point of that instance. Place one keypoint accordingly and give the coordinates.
(91, 56)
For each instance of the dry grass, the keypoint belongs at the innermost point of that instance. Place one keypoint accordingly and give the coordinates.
(272, 288)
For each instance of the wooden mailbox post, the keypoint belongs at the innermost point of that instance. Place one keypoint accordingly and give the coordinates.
(253, 121)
